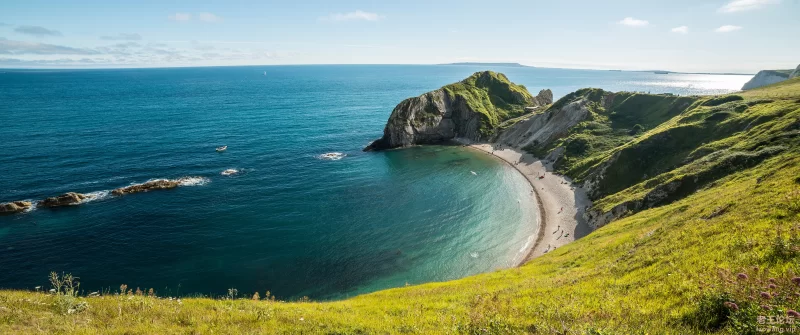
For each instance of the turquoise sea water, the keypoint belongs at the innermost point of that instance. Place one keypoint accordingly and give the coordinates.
(291, 222)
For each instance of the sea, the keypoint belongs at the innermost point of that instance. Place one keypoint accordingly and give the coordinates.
(306, 213)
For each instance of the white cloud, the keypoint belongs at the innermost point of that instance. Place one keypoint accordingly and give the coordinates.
(37, 31)
(353, 16)
(727, 29)
(681, 30)
(122, 37)
(631, 22)
(10, 47)
(745, 5)
(208, 17)
(180, 17)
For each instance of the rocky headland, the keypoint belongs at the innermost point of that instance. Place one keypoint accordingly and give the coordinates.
(471, 109)
(625, 151)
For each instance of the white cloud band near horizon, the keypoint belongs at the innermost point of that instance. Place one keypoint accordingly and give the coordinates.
(202, 16)
(727, 28)
(746, 5)
(357, 15)
(631, 22)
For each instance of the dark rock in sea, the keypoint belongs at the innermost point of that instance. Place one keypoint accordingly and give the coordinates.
(68, 199)
(471, 109)
(14, 207)
(160, 184)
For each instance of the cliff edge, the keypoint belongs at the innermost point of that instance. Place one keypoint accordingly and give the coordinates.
(472, 108)
(769, 77)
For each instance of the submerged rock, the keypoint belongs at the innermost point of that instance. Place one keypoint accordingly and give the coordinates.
(67, 199)
(14, 207)
(471, 109)
(159, 184)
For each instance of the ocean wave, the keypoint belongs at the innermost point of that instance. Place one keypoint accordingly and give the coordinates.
(193, 181)
(332, 156)
(94, 196)
(229, 172)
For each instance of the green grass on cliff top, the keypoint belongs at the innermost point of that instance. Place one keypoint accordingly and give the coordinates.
(492, 95)
(665, 270)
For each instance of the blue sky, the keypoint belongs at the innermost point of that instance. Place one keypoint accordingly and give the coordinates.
(679, 35)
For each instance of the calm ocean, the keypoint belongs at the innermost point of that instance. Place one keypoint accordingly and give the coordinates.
(291, 222)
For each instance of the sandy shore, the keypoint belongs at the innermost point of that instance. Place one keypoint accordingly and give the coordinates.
(561, 205)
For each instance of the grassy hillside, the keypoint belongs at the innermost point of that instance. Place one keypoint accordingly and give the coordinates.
(711, 259)
(646, 150)
(492, 95)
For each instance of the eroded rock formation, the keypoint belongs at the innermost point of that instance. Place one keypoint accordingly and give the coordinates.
(67, 199)
(470, 109)
(14, 207)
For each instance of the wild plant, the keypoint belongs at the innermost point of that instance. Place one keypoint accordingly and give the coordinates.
(65, 288)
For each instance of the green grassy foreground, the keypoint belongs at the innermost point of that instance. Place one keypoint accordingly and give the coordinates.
(711, 260)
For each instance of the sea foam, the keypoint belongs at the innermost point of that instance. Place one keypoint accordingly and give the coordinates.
(332, 156)
(193, 181)
(94, 196)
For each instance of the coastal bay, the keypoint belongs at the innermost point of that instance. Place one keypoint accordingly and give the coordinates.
(562, 205)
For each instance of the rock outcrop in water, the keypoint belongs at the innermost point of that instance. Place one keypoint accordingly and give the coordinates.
(67, 199)
(15, 207)
(159, 184)
(471, 109)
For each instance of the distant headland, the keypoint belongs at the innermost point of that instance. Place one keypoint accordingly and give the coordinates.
(489, 64)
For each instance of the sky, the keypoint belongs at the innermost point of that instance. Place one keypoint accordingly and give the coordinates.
(741, 36)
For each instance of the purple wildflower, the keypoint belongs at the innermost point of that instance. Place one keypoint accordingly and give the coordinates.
(772, 286)
(766, 295)
(793, 313)
(766, 307)
(742, 276)
(796, 280)
(772, 280)
(731, 305)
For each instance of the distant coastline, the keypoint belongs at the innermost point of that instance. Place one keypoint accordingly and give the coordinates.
(487, 64)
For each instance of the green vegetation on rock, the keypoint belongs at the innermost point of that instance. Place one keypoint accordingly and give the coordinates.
(492, 95)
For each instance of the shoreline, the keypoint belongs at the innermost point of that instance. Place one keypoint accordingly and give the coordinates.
(561, 204)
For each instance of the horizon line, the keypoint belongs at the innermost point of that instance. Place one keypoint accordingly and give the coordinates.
(112, 67)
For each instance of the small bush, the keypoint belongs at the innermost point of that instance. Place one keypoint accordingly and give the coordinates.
(722, 100)
(578, 146)
(637, 129)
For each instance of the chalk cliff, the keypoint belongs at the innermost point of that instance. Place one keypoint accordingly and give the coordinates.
(768, 77)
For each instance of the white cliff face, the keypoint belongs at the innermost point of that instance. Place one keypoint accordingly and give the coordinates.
(764, 78)
(543, 128)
